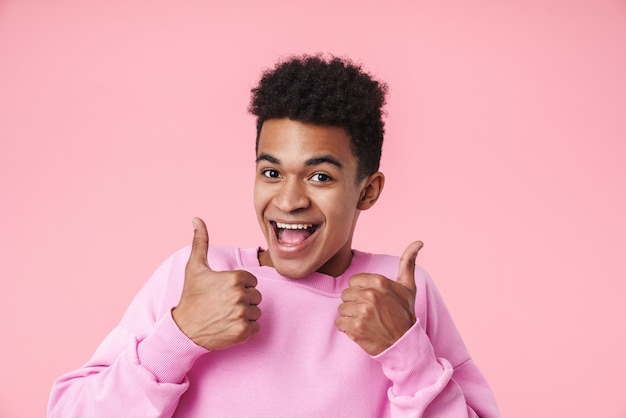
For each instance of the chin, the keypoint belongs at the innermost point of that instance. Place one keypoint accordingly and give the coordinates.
(292, 269)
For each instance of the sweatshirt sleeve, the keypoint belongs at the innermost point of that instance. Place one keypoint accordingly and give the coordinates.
(431, 371)
(140, 368)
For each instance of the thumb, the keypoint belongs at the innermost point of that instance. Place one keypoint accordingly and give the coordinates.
(200, 243)
(406, 272)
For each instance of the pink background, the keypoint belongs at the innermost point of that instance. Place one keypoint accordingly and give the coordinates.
(505, 153)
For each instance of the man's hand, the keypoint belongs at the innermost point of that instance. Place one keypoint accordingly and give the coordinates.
(217, 309)
(377, 311)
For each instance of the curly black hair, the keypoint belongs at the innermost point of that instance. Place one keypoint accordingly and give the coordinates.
(332, 92)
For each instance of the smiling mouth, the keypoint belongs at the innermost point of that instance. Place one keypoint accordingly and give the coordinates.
(292, 234)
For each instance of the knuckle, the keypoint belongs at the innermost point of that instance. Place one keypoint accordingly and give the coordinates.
(359, 327)
(239, 311)
(229, 278)
(379, 281)
(370, 295)
(366, 310)
(245, 277)
(240, 328)
(239, 297)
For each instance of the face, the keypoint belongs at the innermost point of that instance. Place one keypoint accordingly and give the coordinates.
(307, 197)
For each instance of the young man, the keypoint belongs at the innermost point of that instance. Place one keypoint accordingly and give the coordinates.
(307, 327)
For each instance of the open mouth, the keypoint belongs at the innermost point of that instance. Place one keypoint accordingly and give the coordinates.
(292, 234)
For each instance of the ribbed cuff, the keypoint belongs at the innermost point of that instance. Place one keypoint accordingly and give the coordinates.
(167, 352)
(410, 363)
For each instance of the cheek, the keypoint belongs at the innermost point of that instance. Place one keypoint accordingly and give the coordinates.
(259, 197)
(259, 205)
(340, 215)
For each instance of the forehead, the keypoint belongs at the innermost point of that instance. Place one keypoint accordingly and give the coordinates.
(294, 141)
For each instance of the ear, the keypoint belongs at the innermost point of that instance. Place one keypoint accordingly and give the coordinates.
(371, 189)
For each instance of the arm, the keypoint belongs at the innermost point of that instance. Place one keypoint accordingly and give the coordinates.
(140, 369)
(405, 325)
(128, 376)
(427, 384)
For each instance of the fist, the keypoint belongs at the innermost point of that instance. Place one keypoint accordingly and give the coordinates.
(217, 309)
(377, 311)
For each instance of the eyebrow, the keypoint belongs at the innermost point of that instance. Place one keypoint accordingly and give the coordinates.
(266, 157)
(322, 159)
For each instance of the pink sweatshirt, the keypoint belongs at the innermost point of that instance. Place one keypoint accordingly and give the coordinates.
(298, 365)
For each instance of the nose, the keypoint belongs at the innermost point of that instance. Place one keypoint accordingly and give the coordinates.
(291, 196)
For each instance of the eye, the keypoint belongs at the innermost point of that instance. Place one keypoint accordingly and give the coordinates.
(320, 177)
(271, 173)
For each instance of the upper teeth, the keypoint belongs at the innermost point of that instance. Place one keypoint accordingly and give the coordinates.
(293, 226)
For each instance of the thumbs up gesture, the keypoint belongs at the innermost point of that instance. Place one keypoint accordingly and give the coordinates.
(217, 309)
(377, 311)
